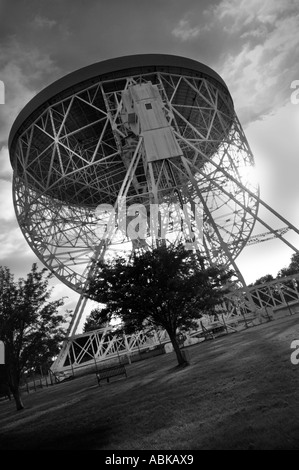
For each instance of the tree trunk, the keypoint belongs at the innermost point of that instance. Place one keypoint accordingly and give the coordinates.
(14, 382)
(181, 359)
(18, 400)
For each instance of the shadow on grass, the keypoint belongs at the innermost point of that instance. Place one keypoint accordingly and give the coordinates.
(179, 367)
(83, 439)
(266, 415)
(240, 392)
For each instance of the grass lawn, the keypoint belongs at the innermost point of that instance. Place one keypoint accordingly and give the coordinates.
(239, 392)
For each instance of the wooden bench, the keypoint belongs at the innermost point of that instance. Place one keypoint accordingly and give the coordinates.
(111, 371)
(210, 330)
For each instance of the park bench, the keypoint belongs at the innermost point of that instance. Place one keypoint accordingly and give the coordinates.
(111, 371)
(209, 331)
(62, 377)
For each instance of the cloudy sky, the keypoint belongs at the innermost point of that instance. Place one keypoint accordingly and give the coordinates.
(252, 44)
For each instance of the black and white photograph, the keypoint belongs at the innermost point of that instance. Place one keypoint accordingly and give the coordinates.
(149, 227)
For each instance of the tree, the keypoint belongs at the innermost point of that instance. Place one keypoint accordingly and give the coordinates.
(263, 280)
(167, 287)
(293, 267)
(30, 325)
(93, 321)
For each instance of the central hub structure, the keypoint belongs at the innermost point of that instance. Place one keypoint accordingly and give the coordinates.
(145, 115)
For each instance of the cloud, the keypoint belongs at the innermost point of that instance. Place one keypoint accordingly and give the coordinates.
(24, 71)
(12, 245)
(275, 144)
(184, 31)
(41, 22)
(6, 203)
(253, 45)
(238, 14)
(5, 166)
(259, 52)
(259, 76)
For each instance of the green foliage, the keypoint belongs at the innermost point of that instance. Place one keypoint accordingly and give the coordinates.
(263, 280)
(94, 321)
(29, 323)
(167, 287)
(293, 267)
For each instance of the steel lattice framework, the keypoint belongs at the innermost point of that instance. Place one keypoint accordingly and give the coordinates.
(102, 345)
(78, 153)
(152, 130)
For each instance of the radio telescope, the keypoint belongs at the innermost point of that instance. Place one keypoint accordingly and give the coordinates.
(153, 131)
